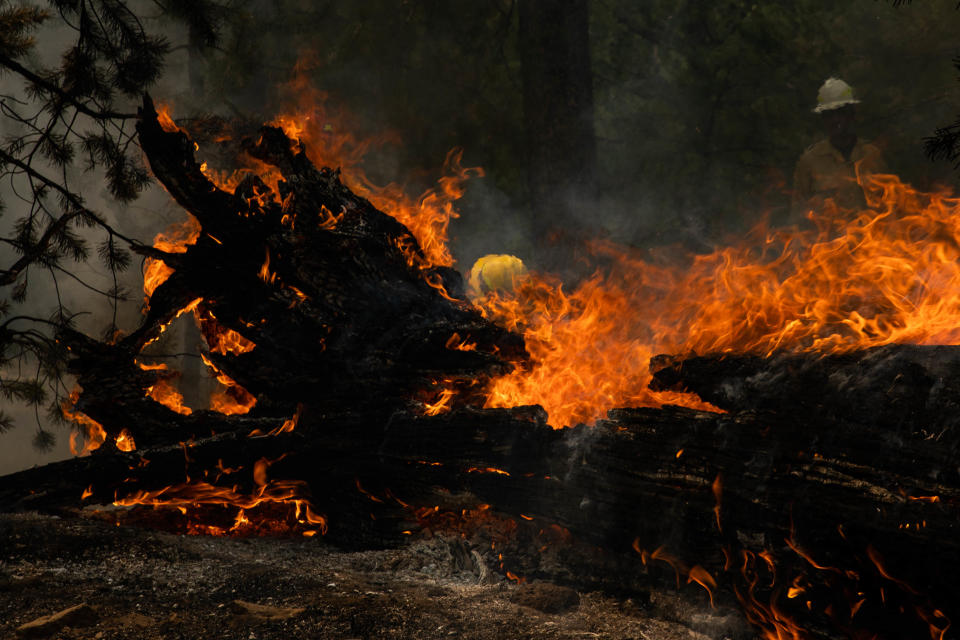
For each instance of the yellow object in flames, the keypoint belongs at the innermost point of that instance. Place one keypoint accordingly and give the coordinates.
(494, 272)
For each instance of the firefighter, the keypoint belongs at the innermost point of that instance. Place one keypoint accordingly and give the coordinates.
(828, 169)
(494, 272)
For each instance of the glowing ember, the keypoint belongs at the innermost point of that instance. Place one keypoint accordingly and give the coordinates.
(287, 427)
(191, 496)
(125, 441)
(488, 470)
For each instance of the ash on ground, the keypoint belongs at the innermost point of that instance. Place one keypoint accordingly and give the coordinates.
(75, 578)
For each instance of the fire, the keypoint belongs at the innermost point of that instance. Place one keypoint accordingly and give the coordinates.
(231, 399)
(265, 274)
(91, 431)
(286, 427)
(175, 239)
(488, 470)
(220, 339)
(768, 617)
(441, 405)
(590, 349)
(717, 488)
(165, 119)
(165, 393)
(190, 496)
(329, 143)
(125, 441)
(695, 573)
(884, 275)
(457, 344)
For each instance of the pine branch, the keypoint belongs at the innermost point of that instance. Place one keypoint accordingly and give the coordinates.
(56, 230)
(48, 86)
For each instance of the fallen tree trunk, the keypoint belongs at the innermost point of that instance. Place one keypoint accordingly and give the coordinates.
(738, 488)
(798, 490)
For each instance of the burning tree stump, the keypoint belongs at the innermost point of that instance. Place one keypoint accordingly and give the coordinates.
(826, 499)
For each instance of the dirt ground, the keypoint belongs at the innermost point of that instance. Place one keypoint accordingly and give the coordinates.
(139, 583)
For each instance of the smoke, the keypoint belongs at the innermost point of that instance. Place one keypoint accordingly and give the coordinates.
(79, 287)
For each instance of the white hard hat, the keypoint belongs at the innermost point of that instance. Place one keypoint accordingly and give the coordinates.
(834, 93)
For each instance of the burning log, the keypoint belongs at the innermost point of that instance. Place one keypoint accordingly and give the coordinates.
(815, 501)
(329, 300)
(681, 487)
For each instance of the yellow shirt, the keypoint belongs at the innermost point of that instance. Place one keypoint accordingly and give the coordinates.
(822, 172)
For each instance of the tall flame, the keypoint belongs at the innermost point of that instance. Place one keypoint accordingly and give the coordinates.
(887, 274)
(88, 434)
(329, 143)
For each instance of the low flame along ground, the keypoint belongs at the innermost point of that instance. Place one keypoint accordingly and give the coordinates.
(889, 274)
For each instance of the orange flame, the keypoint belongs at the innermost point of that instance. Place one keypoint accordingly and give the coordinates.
(87, 428)
(456, 344)
(441, 405)
(488, 470)
(165, 119)
(702, 577)
(325, 134)
(220, 339)
(125, 441)
(165, 393)
(888, 274)
(589, 348)
(286, 427)
(231, 399)
(265, 274)
(175, 239)
(194, 494)
(717, 488)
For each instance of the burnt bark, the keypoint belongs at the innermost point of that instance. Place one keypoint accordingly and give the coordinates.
(713, 490)
(835, 477)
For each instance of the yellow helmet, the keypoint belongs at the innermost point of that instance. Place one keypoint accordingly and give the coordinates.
(494, 272)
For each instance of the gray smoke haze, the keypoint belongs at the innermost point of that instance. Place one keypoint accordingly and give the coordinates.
(142, 219)
(688, 135)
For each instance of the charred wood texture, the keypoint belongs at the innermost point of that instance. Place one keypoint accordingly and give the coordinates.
(336, 296)
(830, 524)
(831, 480)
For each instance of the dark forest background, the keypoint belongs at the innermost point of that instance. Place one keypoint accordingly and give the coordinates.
(698, 111)
(656, 122)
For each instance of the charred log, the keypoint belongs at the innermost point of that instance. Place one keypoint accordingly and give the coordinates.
(334, 294)
(709, 490)
(832, 477)
(901, 391)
